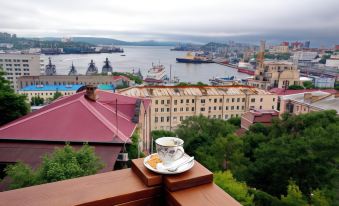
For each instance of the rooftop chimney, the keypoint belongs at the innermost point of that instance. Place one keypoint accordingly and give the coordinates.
(90, 92)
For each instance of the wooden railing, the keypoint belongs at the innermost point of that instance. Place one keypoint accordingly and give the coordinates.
(129, 187)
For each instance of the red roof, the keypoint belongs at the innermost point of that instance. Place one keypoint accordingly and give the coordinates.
(282, 91)
(121, 77)
(77, 119)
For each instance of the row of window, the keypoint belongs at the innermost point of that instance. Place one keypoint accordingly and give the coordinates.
(42, 94)
(14, 60)
(215, 108)
(215, 100)
(181, 118)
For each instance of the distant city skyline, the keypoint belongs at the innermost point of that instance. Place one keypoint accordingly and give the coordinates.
(180, 21)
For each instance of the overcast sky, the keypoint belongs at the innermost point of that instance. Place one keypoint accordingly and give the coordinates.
(176, 20)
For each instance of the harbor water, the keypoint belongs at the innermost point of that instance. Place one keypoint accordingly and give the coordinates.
(140, 57)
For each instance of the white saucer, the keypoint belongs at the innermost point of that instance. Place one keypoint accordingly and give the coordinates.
(181, 169)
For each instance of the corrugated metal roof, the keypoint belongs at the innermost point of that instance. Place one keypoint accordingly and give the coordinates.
(157, 91)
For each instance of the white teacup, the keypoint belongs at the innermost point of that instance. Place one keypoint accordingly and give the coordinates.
(169, 149)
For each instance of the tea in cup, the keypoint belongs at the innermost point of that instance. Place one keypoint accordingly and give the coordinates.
(169, 149)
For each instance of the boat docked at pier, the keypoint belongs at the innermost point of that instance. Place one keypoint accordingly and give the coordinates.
(156, 74)
(194, 58)
(247, 68)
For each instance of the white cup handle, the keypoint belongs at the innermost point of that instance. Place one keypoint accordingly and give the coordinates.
(181, 149)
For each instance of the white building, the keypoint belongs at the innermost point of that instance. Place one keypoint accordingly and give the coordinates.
(16, 65)
(333, 61)
(304, 58)
(323, 82)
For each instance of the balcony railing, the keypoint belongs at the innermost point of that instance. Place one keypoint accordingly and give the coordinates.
(129, 187)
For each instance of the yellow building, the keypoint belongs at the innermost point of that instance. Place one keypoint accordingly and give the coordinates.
(275, 74)
(173, 104)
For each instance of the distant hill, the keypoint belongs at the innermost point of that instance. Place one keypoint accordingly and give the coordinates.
(109, 41)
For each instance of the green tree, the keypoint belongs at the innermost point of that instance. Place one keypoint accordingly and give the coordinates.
(294, 196)
(12, 105)
(56, 95)
(133, 149)
(318, 198)
(63, 163)
(295, 87)
(308, 85)
(36, 101)
(238, 190)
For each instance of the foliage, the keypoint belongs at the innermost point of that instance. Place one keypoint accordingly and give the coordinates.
(56, 95)
(131, 76)
(324, 58)
(190, 84)
(318, 198)
(36, 101)
(236, 121)
(12, 105)
(123, 86)
(294, 196)
(295, 87)
(308, 85)
(264, 199)
(63, 163)
(133, 149)
(279, 56)
(237, 190)
(303, 148)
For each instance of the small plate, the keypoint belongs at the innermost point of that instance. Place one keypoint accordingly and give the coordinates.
(181, 169)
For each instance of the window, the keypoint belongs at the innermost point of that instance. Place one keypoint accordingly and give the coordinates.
(175, 102)
(226, 116)
(156, 109)
(181, 101)
(273, 99)
(156, 101)
(215, 100)
(192, 100)
(219, 116)
(187, 101)
(162, 101)
(215, 108)
(187, 109)
(220, 100)
(261, 99)
(237, 107)
(227, 100)
(214, 116)
(253, 100)
(238, 99)
(243, 107)
(181, 109)
(260, 107)
(162, 119)
(156, 119)
(181, 118)
(232, 107)
(192, 109)
(168, 109)
(174, 118)
(273, 107)
(162, 109)
(175, 109)
(233, 99)
(202, 100)
(168, 118)
(220, 107)
(202, 109)
(209, 108)
(168, 101)
(243, 99)
(226, 108)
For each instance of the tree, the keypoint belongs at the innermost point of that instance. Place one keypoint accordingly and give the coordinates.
(63, 163)
(294, 196)
(308, 85)
(36, 101)
(12, 106)
(56, 95)
(318, 198)
(236, 189)
(295, 87)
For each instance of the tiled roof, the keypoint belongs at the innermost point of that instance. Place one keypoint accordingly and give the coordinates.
(282, 91)
(77, 119)
(71, 87)
(151, 91)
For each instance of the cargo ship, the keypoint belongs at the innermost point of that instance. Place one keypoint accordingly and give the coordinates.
(195, 59)
(246, 68)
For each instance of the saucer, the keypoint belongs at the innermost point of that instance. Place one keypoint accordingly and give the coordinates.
(161, 170)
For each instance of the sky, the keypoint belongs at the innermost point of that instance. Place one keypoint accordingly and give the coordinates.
(197, 21)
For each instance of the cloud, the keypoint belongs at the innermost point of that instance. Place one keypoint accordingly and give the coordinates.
(175, 20)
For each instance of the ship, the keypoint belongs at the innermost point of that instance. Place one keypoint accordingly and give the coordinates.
(218, 81)
(72, 71)
(92, 69)
(156, 75)
(50, 68)
(194, 58)
(107, 68)
(246, 68)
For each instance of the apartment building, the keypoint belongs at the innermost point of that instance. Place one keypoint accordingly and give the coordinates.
(306, 102)
(275, 74)
(16, 65)
(72, 79)
(173, 104)
(280, 49)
